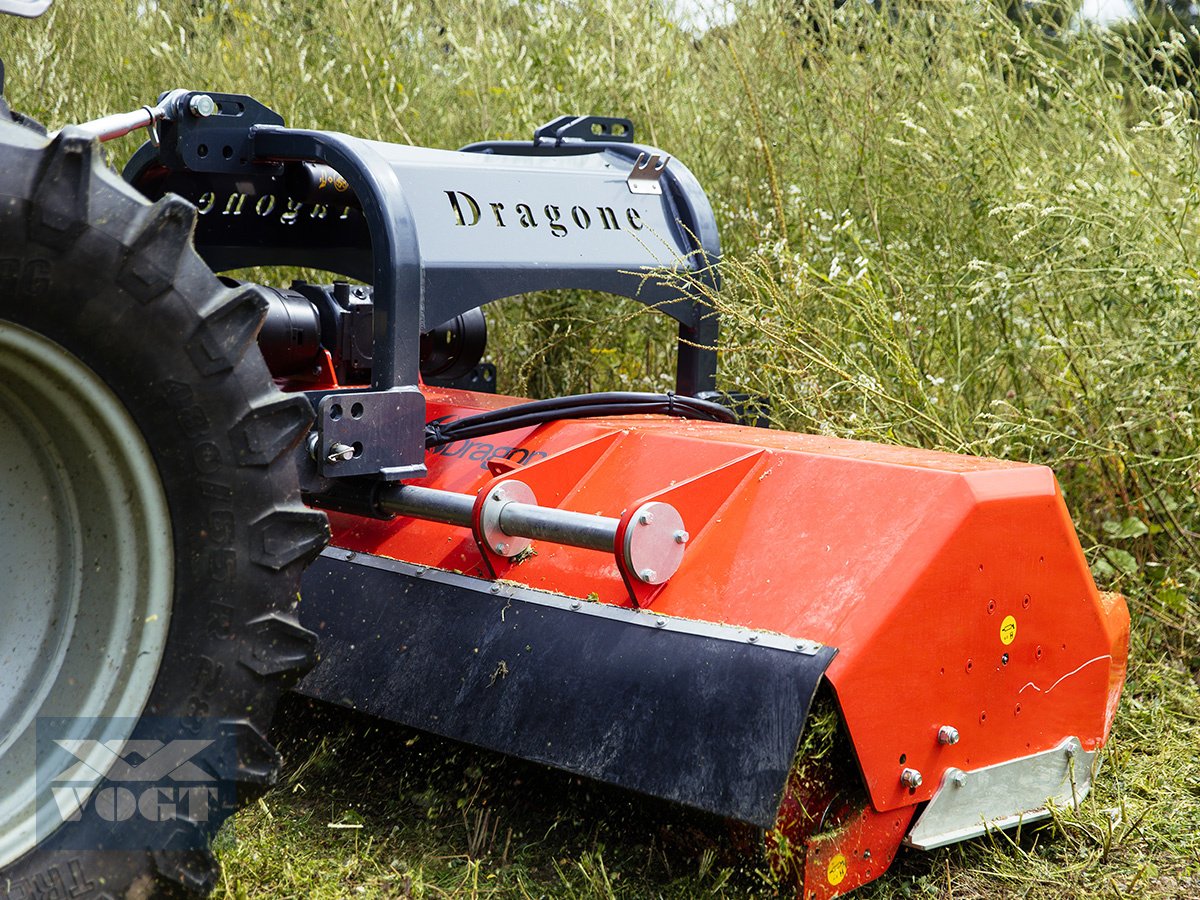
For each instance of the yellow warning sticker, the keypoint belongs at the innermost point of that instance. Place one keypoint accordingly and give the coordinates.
(1008, 630)
(836, 872)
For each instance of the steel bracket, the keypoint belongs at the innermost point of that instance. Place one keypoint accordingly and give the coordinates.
(369, 433)
(645, 174)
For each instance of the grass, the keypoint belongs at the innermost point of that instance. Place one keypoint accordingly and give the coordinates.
(375, 809)
(939, 229)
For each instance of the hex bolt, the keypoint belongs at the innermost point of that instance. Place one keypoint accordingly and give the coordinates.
(201, 106)
(645, 518)
(500, 548)
(960, 779)
(681, 536)
(948, 734)
(646, 575)
(660, 623)
(340, 452)
(911, 778)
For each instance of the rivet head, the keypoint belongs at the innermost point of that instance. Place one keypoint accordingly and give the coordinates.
(948, 734)
(753, 639)
(911, 778)
(575, 604)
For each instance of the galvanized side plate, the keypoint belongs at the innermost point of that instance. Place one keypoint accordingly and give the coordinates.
(706, 715)
(968, 804)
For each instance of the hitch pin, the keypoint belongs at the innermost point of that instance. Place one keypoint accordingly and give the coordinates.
(169, 107)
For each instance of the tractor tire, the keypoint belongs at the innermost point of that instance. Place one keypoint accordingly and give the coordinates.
(152, 535)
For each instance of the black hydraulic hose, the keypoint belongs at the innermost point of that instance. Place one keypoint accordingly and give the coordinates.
(670, 400)
(581, 406)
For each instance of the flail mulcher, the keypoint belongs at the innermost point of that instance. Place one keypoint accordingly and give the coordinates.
(630, 587)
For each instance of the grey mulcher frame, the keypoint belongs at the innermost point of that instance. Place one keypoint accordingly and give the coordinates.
(440, 232)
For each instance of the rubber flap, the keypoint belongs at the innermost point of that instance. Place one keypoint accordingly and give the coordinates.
(706, 715)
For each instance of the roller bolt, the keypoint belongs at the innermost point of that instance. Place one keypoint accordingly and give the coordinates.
(947, 734)
(681, 537)
(911, 778)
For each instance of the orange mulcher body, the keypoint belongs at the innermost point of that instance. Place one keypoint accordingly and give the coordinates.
(648, 601)
(953, 588)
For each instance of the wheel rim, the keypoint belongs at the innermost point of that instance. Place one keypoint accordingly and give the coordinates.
(86, 567)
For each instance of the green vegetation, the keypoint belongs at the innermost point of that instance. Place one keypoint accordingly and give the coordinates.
(940, 230)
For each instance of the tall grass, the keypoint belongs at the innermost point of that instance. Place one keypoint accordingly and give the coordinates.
(939, 229)
(943, 233)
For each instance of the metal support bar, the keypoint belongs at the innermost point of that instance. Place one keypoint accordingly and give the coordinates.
(508, 518)
(428, 503)
(512, 519)
(560, 526)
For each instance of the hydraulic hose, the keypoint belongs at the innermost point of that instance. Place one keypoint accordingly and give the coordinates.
(581, 406)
